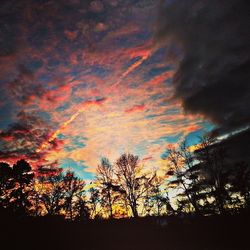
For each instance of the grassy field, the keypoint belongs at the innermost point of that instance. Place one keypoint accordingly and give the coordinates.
(170, 233)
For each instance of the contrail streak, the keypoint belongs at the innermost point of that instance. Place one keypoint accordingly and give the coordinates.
(45, 144)
(58, 131)
(131, 68)
(135, 65)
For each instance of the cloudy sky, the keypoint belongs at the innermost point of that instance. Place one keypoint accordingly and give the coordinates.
(82, 79)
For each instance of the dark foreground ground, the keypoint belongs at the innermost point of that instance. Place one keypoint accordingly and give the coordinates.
(207, 233)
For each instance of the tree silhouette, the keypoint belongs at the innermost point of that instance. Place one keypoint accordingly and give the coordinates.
(105, 179)
(51, 193)
(74, 197)
(240, 184)
(210, 183)
(6, 183)
(22, 177)
(159, 198)
(132, 181)
(94, 200)
(180, 162)
(213, 165)
(205, 182)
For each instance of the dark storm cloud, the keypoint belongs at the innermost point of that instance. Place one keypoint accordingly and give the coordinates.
(211, 40)
(9, 30)
(23, 87)
(22, 138)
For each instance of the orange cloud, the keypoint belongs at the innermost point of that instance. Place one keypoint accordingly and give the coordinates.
(162, 77)
(71, 35)
(135, 108)
(147, 158)
(193, 128)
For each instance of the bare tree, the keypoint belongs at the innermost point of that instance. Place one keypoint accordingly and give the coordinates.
(105, 179)
(74, 196)
(132, 181)
(94, 200)
(159, 197)
(51, 194)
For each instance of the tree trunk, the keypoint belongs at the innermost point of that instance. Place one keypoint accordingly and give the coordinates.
(110, 205)
(134, 209)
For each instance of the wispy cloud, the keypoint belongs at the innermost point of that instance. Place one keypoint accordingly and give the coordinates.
(87, 69)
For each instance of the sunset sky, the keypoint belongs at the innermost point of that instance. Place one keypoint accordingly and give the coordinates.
(81, 79)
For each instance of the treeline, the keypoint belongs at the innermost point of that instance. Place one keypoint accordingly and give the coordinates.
(201, 182)
(48, 193)
(209, 180)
